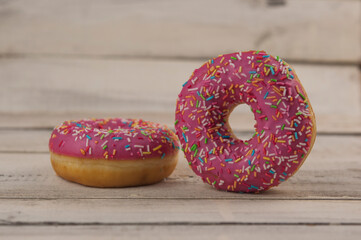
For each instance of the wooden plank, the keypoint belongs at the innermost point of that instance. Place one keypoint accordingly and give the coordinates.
(299, 30)
(146, 86)
(332, 171)
(18, 141)
(182, 232)
(167, 211)
(240, 121)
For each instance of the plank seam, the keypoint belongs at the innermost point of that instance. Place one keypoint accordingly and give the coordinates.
(54, 223)
(354, 199)
(204, 58)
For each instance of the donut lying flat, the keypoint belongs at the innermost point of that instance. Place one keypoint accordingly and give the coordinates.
(285, 127)
(113, 152)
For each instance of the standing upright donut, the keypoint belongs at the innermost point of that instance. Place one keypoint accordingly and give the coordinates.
(285, 128)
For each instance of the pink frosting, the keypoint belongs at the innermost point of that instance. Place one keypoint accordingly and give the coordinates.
(114, 139)
(283, 130)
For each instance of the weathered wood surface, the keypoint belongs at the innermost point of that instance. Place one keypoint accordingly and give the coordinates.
(321, 201)
(70, 85)
(167, 211)
(199, 232)
(62, 60)
(311, 29)
(332, 171)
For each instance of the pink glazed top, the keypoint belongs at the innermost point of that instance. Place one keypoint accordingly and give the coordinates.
(283, 130)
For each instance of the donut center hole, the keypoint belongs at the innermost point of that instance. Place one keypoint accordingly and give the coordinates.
(241, 122)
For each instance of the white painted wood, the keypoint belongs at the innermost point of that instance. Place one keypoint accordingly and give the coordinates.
(162, 211)
(182, 232)
(301, 30)
(30, 141)
(48, 120)
(240, 120)
(58, 85)
(332, 171)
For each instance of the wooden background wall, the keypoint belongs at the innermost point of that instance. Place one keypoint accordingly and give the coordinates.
(80, 58)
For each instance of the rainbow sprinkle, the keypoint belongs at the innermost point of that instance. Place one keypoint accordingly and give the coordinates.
(285, 124)
(114, 138)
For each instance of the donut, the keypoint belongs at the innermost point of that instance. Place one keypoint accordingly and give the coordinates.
(285, 128)
(113, 152)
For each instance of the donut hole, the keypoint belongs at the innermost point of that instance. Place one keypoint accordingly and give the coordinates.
(242, 122)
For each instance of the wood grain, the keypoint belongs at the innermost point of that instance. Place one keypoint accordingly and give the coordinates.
(75, 85)
(73, 59)
(167, 211)
(298, 30)
(166, 232)
(332, 171)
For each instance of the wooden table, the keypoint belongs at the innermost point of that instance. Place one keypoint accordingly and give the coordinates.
(62, 60)
(323, 200)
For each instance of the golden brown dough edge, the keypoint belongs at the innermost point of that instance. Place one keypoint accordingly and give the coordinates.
(113, 173)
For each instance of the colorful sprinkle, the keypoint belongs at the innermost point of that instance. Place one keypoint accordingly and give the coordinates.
(284, 126)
